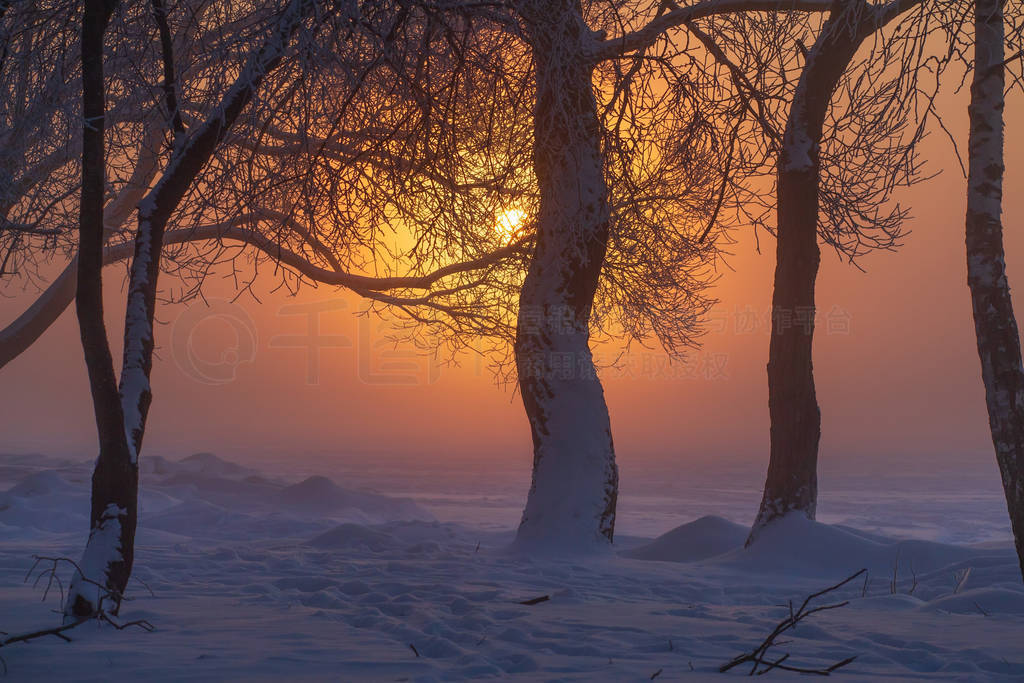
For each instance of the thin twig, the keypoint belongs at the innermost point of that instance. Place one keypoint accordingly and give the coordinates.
(758, 656)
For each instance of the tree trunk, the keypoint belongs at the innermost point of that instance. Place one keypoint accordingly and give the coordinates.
(115, 480)
(792, 481)
(571, 503)
(994, 321)
(156, 209)
(107, 562)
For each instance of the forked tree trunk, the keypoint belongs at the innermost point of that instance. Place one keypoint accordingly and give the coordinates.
(571, 503)
(994, 322)
(107, 562)
(792, 481)
(109, 552)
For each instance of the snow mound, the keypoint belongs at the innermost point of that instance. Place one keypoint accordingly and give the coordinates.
(316, 491)
(43, 501)
(353, 536)
(320, 495)
(700, 539)
(800, 545)
(982, 601)
(196, 465)
(156, 464)
(209, 465)
(41, 484)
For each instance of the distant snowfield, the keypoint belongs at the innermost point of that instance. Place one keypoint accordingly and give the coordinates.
(259, 576)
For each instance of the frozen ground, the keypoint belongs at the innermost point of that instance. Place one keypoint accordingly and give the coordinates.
(274, 574)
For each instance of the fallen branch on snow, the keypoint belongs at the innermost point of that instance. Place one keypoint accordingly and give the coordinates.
(960, 577)
(758, 657)
(49, 572)
(535, 601)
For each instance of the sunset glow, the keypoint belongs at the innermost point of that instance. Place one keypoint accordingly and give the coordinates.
(509, 223)
(511, 340)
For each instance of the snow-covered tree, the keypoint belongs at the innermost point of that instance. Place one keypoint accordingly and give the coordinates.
(115, 482)
(122, 408)
(632, 153)
(226, 151)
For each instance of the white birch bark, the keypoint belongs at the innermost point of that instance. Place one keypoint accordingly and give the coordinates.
(994, 322)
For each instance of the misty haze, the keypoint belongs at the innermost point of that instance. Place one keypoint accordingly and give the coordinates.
(542, 340)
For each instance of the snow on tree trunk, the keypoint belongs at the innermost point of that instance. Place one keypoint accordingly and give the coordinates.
(115, 480)
(156, 209)
(136, 394)
(107, 562)
(792, 481)
(571, 503)
(994, 322)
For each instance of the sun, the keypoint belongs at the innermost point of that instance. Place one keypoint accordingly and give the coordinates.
(507, 224)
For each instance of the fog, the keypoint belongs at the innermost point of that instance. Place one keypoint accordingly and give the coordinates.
(895, 362)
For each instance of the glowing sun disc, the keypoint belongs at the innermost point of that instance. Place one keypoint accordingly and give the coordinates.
(507, 224)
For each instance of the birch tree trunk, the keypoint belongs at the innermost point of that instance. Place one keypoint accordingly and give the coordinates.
(571, 503)
(994, 322)
(110, 549)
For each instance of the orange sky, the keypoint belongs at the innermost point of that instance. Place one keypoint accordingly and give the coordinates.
(904, 380)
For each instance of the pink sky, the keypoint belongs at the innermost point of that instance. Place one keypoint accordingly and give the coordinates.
(902, 380)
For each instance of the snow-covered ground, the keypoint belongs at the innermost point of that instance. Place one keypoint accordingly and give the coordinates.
(397, 571)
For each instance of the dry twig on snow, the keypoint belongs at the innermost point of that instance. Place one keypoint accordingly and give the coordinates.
(49, 572)
(758, 657)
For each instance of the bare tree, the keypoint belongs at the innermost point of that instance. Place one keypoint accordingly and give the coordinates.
(837, 198)
(596, 215)
(122, 409)
(226, 164)
(840, 122)
(622, 141)
(994, 322)
(115, 477)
